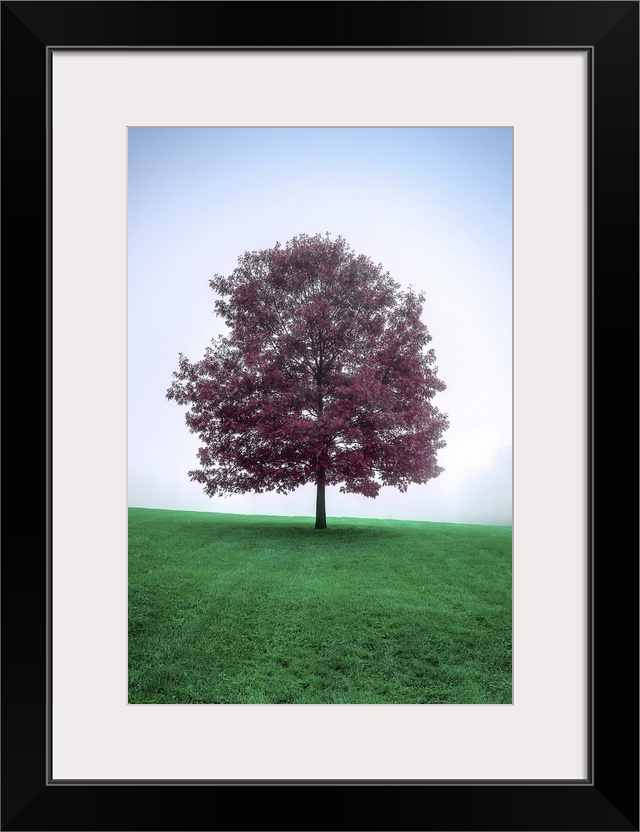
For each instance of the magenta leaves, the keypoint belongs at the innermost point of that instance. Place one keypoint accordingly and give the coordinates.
(323, 374)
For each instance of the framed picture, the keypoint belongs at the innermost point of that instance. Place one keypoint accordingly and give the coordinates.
(562, 79)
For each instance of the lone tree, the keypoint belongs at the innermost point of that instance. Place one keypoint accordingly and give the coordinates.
(322, 377)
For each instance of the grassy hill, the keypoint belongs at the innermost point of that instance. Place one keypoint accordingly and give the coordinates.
(227, 608)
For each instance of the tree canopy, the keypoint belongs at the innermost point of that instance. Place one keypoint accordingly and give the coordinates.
(322, 377)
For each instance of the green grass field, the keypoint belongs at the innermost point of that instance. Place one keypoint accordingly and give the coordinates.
(227, 608)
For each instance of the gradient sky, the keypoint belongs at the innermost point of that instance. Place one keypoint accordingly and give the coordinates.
(432, 205)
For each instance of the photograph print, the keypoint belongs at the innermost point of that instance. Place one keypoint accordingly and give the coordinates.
(320, 415)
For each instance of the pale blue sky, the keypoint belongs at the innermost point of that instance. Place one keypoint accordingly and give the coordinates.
(432, 205)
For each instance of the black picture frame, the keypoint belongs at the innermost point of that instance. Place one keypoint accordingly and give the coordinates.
(608, 798)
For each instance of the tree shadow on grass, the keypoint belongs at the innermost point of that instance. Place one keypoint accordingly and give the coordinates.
(296, 530)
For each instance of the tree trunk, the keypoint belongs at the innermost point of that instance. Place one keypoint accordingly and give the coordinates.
(321, 514)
